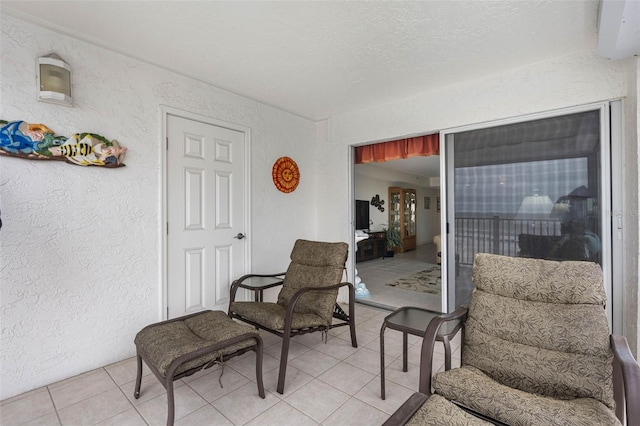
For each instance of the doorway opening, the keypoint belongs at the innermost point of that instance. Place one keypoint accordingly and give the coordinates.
(404, 193)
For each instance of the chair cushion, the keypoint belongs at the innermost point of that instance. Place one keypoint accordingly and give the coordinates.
(474, 389)
(314, 264)
(163, 343)
(570, 282)
(540, 326)
(271, 315)
(437, 411)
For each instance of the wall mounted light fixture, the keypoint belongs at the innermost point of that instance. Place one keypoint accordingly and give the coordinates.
(54, 80)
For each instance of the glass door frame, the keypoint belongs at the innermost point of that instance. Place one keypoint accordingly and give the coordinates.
(610, 147)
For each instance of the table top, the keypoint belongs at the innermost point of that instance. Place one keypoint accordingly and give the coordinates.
(260, 283)
(415, 320)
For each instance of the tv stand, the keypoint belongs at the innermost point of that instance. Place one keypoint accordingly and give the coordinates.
(373, 247)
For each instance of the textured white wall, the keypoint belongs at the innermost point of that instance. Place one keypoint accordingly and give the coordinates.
(80, 248)
(566, 81)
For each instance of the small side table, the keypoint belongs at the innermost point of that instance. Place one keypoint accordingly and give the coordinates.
(258, 284)
(412, 320)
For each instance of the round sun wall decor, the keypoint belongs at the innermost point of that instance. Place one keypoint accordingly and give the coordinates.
(286, 174)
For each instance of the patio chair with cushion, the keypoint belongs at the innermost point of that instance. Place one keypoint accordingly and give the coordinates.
(536, 350)
(307, 300)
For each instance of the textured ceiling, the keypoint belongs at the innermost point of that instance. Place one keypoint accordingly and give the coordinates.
(321, 58)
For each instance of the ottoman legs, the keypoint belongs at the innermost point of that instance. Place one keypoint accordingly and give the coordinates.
(171, 407)
(182, 346)
(136, 392)
(259, 368)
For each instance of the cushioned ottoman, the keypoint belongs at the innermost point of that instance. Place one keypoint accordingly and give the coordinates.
(437, 411)
(182, 346)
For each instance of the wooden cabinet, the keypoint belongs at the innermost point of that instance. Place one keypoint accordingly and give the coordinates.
(373, 247)
(402, 216)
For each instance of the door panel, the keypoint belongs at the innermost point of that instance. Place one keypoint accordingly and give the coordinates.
(223, 200)
(533, 188)
(194, 198)
(194, 280)
(205, 210)
(223, 259)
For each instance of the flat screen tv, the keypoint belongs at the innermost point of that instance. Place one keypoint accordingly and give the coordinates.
(362, 214)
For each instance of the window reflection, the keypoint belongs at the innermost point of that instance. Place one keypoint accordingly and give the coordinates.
(527, 189)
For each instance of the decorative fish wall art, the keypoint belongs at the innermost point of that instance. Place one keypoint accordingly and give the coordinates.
(38, 142)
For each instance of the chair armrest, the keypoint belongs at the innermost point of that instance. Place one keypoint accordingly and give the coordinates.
(626, 382)
(298, 294)
(403, 414)
(236, 283)
(428, 343)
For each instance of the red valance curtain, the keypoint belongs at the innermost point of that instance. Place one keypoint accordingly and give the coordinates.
(403, 148)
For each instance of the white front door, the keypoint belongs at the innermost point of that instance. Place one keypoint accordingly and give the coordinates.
(205, 214)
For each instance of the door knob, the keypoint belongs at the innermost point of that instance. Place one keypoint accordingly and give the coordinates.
(239, 236)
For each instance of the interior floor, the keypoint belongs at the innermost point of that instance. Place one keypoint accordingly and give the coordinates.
(328, 383)
(377, 273)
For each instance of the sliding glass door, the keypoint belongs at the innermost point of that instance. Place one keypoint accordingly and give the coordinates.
(537, 187)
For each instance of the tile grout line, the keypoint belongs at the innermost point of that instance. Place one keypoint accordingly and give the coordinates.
(55, 409)
(128, 400)
(93, 396)
(368, 315)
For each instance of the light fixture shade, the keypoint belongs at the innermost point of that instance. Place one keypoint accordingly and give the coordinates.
(54, 80)
(535, 207)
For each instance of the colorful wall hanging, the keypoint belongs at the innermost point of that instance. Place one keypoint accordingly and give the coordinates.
(286, 174)
(38, 142)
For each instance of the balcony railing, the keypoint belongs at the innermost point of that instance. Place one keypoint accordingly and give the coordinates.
(497, 235)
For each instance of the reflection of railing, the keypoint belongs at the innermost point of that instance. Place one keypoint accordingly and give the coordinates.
(497, 235)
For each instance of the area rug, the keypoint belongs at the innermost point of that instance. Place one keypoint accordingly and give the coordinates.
(425, 281)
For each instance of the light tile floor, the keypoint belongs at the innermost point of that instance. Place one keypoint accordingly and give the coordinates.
(377, 273)
(327, 384)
